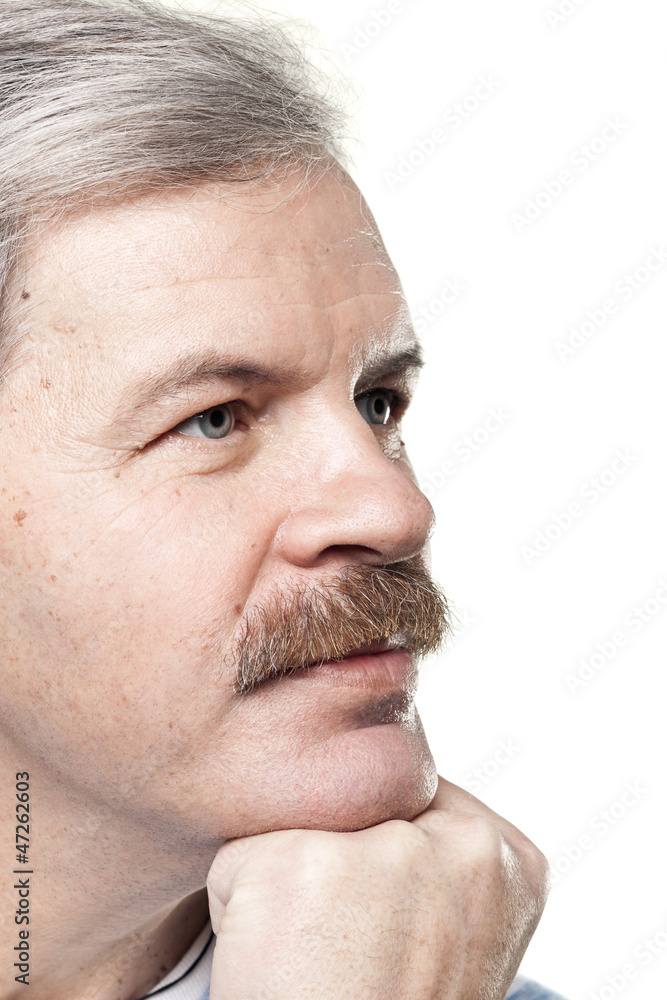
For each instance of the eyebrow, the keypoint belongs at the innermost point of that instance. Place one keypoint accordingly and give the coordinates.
(200, 368)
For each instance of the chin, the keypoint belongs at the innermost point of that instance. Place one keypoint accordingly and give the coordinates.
(377, 774)
(358, 779)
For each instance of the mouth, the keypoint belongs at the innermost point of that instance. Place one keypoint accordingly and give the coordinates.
(383, 646)
(383, 668)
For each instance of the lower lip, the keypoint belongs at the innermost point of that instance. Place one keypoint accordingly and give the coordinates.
(392, 670)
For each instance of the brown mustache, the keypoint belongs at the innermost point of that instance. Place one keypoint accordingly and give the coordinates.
(363, 605)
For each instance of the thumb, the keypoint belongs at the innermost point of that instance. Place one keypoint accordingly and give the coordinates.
(222, 872)
(231, 866)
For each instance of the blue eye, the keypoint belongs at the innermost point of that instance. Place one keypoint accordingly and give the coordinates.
(216, 422)
(375, 407)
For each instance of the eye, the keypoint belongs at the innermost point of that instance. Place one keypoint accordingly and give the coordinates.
(375, 407)
(216, 422)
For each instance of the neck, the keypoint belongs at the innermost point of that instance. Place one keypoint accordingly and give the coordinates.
(110, 910)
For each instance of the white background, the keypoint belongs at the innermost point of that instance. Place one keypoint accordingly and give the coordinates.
(530, 618)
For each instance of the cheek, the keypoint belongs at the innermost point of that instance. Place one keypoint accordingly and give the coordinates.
(123, 621)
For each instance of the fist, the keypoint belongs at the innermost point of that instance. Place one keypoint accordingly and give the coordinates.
(438, 908)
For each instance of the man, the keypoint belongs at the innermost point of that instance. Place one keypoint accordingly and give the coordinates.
(212, 547)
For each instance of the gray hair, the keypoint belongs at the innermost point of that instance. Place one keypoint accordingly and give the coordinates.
(108, 99)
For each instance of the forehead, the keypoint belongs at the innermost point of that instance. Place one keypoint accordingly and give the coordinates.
(304, 273)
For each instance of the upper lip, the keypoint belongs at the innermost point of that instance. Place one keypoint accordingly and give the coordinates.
(374, 647)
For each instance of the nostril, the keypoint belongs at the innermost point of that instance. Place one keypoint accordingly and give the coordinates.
(351, 554)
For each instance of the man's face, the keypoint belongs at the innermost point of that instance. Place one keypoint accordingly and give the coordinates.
(131, 552)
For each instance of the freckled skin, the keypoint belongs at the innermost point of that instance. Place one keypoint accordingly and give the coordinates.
(145, 547)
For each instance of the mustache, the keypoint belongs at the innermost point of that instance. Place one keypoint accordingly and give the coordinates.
(363, 605)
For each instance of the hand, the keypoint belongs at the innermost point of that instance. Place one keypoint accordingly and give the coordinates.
(439, 908)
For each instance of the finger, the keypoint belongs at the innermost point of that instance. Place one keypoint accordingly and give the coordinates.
(227, 869)
(450, 798)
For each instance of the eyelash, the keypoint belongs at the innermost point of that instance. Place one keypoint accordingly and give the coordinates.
(399, 402)
(398, 405)
(397, 399)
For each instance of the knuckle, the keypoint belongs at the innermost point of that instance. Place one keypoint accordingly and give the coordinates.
(313, 857)
(399, 844)
(534, 865)
(404, 834)
(480, 839)
(538, 873)
(528, 880)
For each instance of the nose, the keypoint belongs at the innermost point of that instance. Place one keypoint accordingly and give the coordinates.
(357, 505)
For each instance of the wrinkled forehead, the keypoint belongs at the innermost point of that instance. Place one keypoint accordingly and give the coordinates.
(287, 264)
(209, 230)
